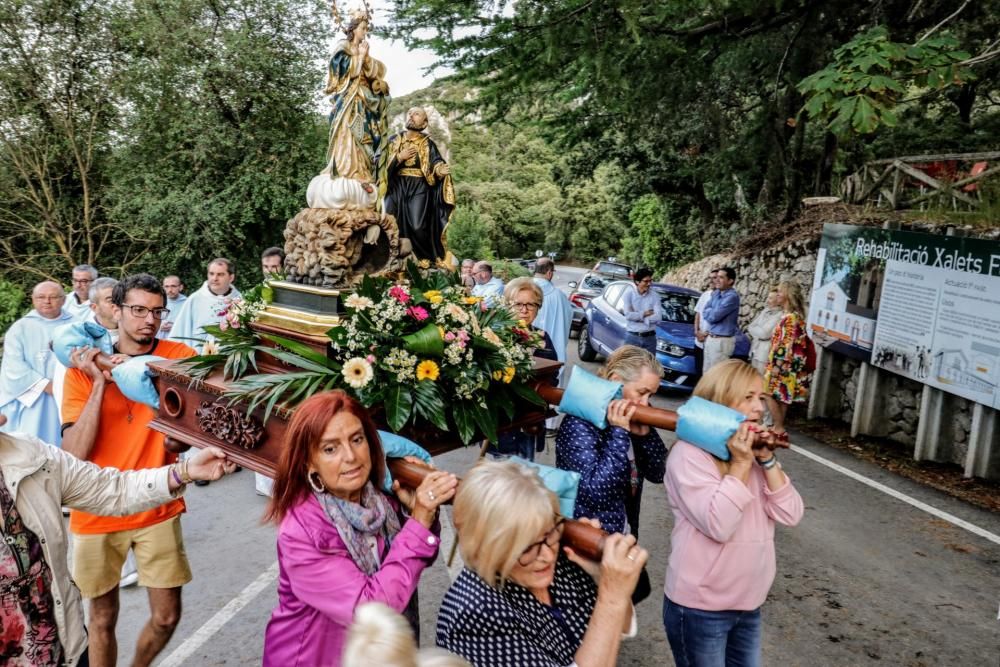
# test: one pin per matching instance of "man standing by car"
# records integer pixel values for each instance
(721, 315)
(700, 325)
(642, 310)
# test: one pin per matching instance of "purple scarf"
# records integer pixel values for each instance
(374, 516)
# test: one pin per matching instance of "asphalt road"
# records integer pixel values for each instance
(864, 579)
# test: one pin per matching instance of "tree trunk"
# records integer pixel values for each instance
(824, 175)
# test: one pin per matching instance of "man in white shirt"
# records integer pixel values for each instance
(700, 326)
(643, 311)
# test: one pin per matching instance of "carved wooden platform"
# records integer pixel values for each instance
(198, 414)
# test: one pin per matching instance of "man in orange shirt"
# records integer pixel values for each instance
(102, 426)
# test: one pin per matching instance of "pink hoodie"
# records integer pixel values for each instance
(722, 546)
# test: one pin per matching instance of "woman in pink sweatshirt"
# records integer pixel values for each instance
(722, 547)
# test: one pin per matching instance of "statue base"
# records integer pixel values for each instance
(302, 309)
(336, 248)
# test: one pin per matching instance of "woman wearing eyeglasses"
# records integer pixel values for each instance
(521, 601)
(523, 298)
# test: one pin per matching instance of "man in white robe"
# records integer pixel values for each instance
(78, 301)
(174, 288)
(204, 306)
(28, 367)
(555, 318)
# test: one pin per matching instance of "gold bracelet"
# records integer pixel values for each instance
(185, 475)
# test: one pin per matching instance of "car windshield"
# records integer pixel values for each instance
(591, 281)
(616, 269)
(677, 307)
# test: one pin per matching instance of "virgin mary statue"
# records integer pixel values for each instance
(358, 122)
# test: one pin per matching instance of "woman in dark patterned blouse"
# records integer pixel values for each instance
(613, 461)
(519, 602)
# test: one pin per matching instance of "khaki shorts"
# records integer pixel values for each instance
(159, 556)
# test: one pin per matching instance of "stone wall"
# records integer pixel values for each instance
(796, 260)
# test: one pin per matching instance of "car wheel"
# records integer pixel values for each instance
(583, 348)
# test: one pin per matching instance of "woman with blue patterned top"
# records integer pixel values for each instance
(614, 461)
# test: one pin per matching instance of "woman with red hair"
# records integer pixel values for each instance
(341, 540)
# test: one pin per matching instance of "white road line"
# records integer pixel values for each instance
(223, 616)
(941, 514)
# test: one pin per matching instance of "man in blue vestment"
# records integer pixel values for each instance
(28, 366)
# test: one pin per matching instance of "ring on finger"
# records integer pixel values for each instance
(430, 494)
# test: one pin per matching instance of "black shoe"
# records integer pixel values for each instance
(201, 482)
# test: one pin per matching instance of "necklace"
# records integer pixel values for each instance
(129, 404)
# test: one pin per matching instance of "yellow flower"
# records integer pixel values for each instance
(497, 375)
(522, 323)
(428, 370)
(471, 300)
(441, 331)
(434, 296)
(508, 374)
(424, 264)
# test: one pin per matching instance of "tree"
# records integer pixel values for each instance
(659, 236)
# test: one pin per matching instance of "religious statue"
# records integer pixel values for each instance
(415, 181)
(359, 97)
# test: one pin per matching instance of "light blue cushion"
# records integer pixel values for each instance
(587, 397)
(79, 334)
(395, 446)
(135, 380)
(708, 425)
(563, 483)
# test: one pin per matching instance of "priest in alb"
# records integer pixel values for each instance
(28, 366)
(206, 305)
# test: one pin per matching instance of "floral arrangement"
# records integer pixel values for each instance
(420, 349)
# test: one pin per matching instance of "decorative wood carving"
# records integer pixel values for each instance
(230, 425)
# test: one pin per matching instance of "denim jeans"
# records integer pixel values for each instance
(645, 342)
(701, 638)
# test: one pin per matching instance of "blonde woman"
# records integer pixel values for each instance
(382, 636)
(523, 297)
(613, 461)
(785, 375)
(761, 330)
(722, 560)
(519, 602)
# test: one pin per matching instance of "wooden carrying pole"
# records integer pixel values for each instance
(644, 414)
(582, 538)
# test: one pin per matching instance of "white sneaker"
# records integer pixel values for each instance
(130, 579)
(130, 573)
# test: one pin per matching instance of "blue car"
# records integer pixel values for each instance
(603, 331)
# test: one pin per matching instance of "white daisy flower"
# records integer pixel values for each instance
(357, 372)
(358, 302)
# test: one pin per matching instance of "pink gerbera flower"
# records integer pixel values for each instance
(419, 313)
(399, 294)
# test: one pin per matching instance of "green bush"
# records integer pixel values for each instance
(507, 271)
(12, 304)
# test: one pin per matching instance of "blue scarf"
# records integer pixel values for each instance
(374, 516)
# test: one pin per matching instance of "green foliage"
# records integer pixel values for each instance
(507, 271)
(860, 89)
(659, 236)
(467, 237)
(12, 304)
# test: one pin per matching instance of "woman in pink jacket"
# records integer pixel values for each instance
(722, 559)
(341, 540)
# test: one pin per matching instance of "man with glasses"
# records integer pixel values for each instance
(204, 306)
(643, 311)
(78, 301)
(104, 427)
(28, 366)
(174, 288)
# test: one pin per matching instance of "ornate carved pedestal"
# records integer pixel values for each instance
(199, 414)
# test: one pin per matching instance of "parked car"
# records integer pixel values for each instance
(615, 270)
(602, 331)
(589, 286)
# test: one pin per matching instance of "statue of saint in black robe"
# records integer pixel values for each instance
(418, 190)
